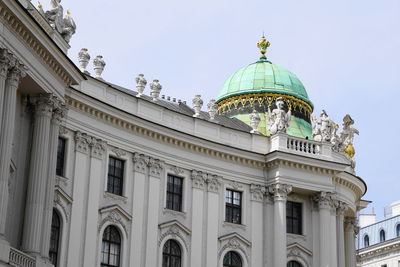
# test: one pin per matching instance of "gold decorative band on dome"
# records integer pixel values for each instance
(254, 99)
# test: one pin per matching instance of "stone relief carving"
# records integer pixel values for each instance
(279, 119)
(114, 216)
(197, 104)
(156, 167)
(199, 179)
(235, 185)
(140, 162)
(234, 243)
(298, 253)
(257, 192)
(118, 152)
(82, 141)
(213, 183)
(176, 170)
(175, 231)
(98, 148)
(140, 84)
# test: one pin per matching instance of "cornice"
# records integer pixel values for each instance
(29, 39)
(379, 250)
(159, 137)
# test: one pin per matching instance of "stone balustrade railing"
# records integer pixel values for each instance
(20, 259)
(284, 142)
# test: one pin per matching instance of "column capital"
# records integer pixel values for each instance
(279, 191)
(350, 225)
(325, 200)
(59, 110)
(15, 74)
(155, 167)
(82, 142)
(7, 61)
(44, 104)
(257, 192)
(341, 208)
(199, 179)
(213, 183)
(140, 162)
(98, 148)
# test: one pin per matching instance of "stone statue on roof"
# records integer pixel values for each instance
(279, 119)
(65, 26)
(347, 136)
(323, 128)
(69, 27)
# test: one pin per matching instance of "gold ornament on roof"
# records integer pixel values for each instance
(263, 44)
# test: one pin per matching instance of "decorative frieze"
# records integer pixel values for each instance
(257, 192)
(279, 191)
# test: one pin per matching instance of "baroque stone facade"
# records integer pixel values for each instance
(71, 161)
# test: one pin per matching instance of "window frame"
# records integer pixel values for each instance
(64, 154)
(173, 194)
(169, 255)
(233, 207)
(59, 233)
(291, 218)
(230, 252)
(397, 230)
(380, 235)
(110, 242)
(113, 177)
(366, 238)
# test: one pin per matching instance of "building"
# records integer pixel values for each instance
(378, 243)
(92, 174)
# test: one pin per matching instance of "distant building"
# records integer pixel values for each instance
(378, 243)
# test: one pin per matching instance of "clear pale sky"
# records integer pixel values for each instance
(346, 53)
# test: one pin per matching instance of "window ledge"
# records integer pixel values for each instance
(234, 225)
(296, 236)
(174, 213)
(115, 197)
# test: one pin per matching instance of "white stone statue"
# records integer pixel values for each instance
(68, 27)
(212, 108)
(140, 84)
(323, 128)
(55, 15)
(279, 119)
(197, 105)
(98, 66)
(155, 89)
(347, 136)
(83, 58)
(254, 121)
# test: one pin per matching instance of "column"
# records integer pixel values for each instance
(6, 63)
(213, 186)
(6, 137)
(80, 178)
(39, 164)
(198, 186)
(324, 201)
(97, 153)
(350, 243)
(342, 207)
(138, 238)
(257, 197)
(333, 239)
(58, 114)
(155, 171)
(280, 192)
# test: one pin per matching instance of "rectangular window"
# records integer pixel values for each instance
(174, 193)
(294, 217)
(233, 206)
(115, 176)
(60, 156)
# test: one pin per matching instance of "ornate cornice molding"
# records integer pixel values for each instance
(379, 250)
(20, 30)
(117, 122)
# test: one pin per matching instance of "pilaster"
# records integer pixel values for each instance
(350, 229)
(342, 207)
(213, 189)
(7, 113)
(257, 193)
(38, 173)
(59, 112)
(280, 192)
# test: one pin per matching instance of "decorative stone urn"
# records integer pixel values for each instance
(212, 109)
(197, 104)
(140, 84)
(155, 89)
(98, 66)
(83, 58)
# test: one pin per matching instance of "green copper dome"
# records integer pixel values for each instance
(263, 77)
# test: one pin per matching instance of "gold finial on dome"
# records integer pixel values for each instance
(263, 44)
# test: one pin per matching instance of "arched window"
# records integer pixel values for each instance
(366, 241)
(232, 259)
(398, 230)
(382, 236)
(111, 247)
(54, 238)
(293, 264)
(172, 256)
